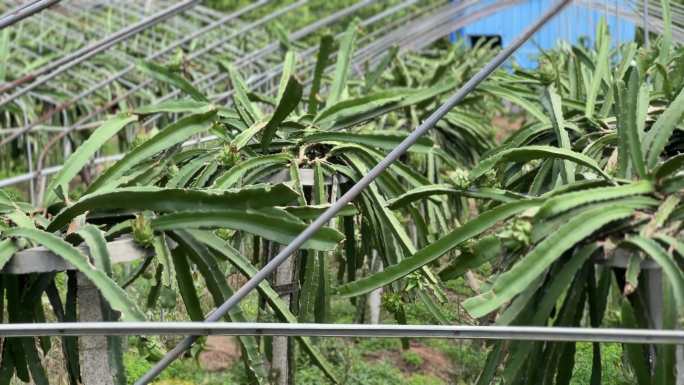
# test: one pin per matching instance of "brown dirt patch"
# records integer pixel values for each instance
(220, 353)
(505, 126)
(236, 280)
(433, 362)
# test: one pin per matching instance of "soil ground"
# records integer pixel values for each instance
(220, 353)
(433, 362)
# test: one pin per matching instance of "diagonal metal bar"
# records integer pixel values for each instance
(22, 12)
(355, 190)
(59, 66)
(505, 333)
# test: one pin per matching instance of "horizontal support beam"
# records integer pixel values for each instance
(105, 159)
(42, 260)
(506, 333)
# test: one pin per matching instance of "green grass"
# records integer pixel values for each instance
(370, 361)
(421, 379)
(356, 369)
(182, 372)
(412, 358)
(361, 372)
(613, 371)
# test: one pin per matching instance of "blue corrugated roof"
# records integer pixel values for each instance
(575, 21)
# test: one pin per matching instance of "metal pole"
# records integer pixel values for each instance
(355, 190)
(25, 11)
(507, 333)
(647, 41)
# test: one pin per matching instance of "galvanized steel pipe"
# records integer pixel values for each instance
(506, 333)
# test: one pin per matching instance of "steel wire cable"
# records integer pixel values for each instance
(355, 190)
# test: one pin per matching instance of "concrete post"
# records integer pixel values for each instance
(654, 298)
(375, 296)
(284, 277)
(93, 350)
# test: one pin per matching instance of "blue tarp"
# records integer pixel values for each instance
(574, 22)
